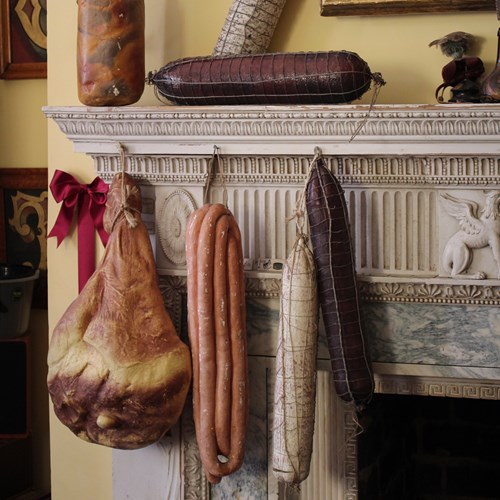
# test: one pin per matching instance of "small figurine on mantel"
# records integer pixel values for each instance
(461, 73)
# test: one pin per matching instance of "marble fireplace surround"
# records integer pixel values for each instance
(411, 175)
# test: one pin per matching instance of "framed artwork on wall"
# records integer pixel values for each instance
(23, 39)
(23, 223)
(388, 7)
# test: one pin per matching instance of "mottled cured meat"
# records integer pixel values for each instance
(118, 373)
(110, 52)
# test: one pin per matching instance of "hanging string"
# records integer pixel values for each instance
(299, 212)
(351, 434)
(209, 179)
(379, 83)
(215, 169)
(127, 210)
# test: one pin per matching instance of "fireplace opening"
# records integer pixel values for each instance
(429, 448)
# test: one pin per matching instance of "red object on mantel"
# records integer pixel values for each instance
(90, 202)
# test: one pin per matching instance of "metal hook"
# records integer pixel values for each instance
(221, 175)
(211, 175)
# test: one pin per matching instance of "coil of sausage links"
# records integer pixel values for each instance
(217, 334)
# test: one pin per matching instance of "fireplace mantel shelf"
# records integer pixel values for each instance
(382, 129)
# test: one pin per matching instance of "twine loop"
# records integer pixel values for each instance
(126, 209)
(214, 170)
(379, 83)
(299, 212)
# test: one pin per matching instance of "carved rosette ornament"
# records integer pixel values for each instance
(171, 225)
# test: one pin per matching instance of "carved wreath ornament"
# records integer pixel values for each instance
(475, 232)
(174, 214)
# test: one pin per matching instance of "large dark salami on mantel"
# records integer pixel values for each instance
(272, 78)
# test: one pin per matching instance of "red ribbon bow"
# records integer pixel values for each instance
(90, 201)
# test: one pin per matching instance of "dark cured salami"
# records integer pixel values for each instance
(338, 294)
(274, 78)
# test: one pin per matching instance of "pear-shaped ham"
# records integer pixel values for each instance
(118, 372)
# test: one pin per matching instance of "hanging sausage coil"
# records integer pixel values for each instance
(217, 335)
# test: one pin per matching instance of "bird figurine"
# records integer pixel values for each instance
(462, 72)
(455, 44)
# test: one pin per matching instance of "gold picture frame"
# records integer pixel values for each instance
(388, 7)
(23, 39)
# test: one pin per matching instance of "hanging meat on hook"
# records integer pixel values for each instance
(295, 386)
(118, 373)
(217, 334)
(337, 287)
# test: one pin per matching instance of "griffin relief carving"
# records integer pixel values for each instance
(476, 231)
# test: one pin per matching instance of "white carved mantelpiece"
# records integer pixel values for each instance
(393, 171)
(422, 185)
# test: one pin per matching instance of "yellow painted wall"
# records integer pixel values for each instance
(23, 136)
(396, 46)
(23, 144)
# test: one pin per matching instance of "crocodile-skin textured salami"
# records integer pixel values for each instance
(249, 27)
(338, 294)
(274, 78)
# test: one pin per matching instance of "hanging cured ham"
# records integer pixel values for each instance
(118, 372)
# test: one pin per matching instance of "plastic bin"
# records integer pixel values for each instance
(16, 292)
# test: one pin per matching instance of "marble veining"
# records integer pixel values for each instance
(250, 481)
(433, 334)
(262, 328)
